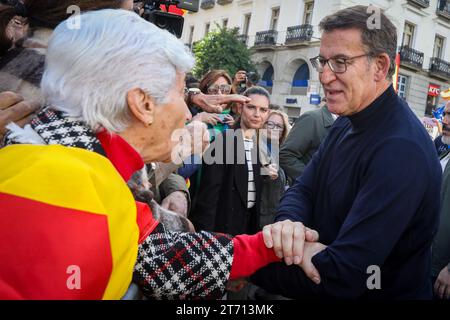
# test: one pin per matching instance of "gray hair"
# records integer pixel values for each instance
(376, 40)
(90, 70)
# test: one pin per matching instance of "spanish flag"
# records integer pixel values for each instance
(67, 225)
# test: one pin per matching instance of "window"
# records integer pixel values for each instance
(307, 16)
(274, 18)
(225, 23)
(402, 86)
(438, 47)
(207, 25)
(191, 35)
(247, 19)
(408, 34)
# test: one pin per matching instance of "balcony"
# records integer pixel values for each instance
(411, 58)
(243, 38)
(440, 67)
(266, 38)
(420, 3)
(443, 9)
(299, 33)
(224, 2)
(207, 4)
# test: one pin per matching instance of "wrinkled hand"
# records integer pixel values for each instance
(309, 251)
(176, 202)
(14, 109)
(442, 284)
(215, 103)
(287, 239)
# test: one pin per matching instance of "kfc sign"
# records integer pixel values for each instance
(434, 90)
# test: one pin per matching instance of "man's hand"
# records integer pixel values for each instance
(177, 202)
(442, 284)
(14, 109)
(215, 103)
(287, 239)
(309, 251)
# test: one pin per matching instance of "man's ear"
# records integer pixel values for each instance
(382, 65)
(141, 106)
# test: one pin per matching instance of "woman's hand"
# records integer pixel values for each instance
(272, 171)
(208, 118)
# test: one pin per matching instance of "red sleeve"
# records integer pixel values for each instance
(250, 254)
(145, 220)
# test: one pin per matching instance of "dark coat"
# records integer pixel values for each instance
(221, 200)
(303, 141)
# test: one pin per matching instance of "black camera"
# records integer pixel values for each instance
(166, 20)
(252, 77)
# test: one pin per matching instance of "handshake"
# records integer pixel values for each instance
(296, 244)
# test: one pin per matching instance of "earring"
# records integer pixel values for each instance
(150, 123)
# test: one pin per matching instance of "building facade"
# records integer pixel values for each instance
(283, 35)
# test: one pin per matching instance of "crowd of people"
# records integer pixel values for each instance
(256, 210)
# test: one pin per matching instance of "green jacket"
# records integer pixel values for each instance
(441, 244)
(304, 139)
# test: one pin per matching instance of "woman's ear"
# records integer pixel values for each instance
(141, 106)
(382, 65)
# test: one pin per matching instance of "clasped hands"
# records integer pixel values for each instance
(296, 244)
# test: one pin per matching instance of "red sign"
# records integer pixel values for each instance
(434, 90)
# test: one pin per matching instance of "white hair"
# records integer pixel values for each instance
(90, 70)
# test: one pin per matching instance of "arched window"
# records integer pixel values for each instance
(301, 76)
(267, 78)
(300, 81)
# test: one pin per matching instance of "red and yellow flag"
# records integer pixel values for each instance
(67, 225)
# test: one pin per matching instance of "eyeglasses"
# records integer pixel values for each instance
(274, 126)
(337, 65)
(224, 89)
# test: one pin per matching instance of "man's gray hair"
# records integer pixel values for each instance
(376, 40)
(90, 70)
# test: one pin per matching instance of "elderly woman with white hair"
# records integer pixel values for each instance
(71, 229)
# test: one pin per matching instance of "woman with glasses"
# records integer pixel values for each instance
(217, 82)
(273, 183)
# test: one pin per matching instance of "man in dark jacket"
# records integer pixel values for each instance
(303, 141)
(371, 190)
